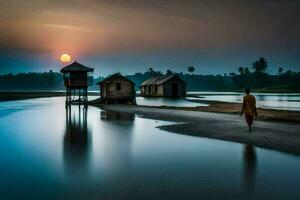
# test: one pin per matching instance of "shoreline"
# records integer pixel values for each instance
(213, 106)
(14, 96)
(264, 114)
(270, 135)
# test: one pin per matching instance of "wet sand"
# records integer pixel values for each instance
(231, 127)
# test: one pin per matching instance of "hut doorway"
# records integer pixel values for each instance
(174, 89)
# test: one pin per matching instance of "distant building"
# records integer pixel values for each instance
(77, 78)
(117, 89)
(164, 86)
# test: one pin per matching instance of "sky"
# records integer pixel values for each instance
(131, 36)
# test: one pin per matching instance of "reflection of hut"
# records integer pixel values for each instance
(116, 116)
(77, 78)
(117, 145)
(164, 86)
(117, 89)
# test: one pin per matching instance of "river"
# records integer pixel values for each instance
(279, 101)
(48, 152)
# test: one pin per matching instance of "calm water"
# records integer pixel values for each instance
(283, 101)
(48, 153)
(158, 101)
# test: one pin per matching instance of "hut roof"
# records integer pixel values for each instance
(115, 76)
(76, 67)
(158, 80)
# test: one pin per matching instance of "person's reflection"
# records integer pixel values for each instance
(249, 168)
(76, 140)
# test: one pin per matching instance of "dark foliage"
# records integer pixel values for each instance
(258, 79)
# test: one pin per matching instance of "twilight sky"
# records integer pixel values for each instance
(133, 35)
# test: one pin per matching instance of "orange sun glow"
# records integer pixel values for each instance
(65, 58)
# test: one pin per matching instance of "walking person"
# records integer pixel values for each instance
(249, 108)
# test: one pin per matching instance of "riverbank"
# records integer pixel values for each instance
(272, 135)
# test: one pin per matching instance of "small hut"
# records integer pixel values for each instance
(77, 78)
(117, 89)
(164, 86)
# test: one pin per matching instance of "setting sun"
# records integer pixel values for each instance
(65, 58)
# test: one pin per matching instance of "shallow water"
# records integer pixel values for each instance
(282, 101)
(159, 101)
(49, 153)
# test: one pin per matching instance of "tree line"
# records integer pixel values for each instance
(254, 77)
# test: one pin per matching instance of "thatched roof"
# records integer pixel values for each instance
(116, 75)
(158, 80)
(76, 67)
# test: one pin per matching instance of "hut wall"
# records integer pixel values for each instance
(168, 89)
(174, 87)
(152, 90)
(111, 91)
(160, 90)
(146, 90)
(76, 79)
(143, 92)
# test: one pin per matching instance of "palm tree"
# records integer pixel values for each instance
(247, 71)
(260, 66)
(150, 70)
(241, 70)
(191, 69)
(280, 70)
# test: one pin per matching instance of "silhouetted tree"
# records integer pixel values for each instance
(246, 71)
(191, 69)
(280, 70)
(287, 81)
(169, 72)
(241, 70)
(260, 66)
(232, 74)
(150, 70)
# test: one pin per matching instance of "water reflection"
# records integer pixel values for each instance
(249, 168)
(282, 101)
(86, 156)
(117, 143)
(159, 101)
(116, 116)
(76, 140)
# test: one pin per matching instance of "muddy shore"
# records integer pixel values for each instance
(271, 135)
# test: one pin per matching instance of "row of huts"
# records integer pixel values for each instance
(117, 88)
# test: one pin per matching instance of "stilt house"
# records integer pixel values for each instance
(77, 78)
